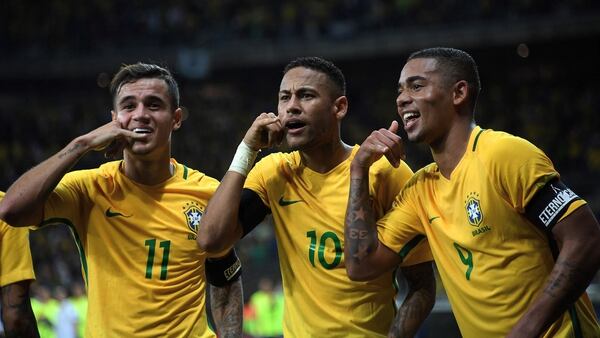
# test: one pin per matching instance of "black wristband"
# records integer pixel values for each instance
(223, 270)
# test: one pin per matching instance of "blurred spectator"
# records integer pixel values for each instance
(267, 307)
(46, 310)
(67, 320)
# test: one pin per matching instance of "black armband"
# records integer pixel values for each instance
(252, 211)
(223, 270)
(550, 203)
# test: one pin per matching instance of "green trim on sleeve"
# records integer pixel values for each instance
(77, 241)
(409, 246)
(477, 139)
(185, 172)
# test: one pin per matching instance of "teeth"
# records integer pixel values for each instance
(410, 115)
(141, 130)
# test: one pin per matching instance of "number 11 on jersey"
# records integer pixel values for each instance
(166, 246)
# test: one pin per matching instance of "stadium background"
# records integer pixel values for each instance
(538, 62)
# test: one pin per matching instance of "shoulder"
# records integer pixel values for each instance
(383, 170)
(494, 146)
(193, 176)
(276, 164)
(419, 179)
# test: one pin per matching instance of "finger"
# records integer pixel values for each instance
(394, 127)
(391, 148)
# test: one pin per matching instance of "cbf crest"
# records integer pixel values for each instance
(473, 208)
(193, 214)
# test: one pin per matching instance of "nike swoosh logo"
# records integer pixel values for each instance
(433, 218)
(284, 203)
(110, 213)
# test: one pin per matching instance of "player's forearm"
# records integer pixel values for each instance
(418, 302)
(17, 314)
(227, 308)
(219, 224)
(572, 273)
(360, 234)
(23, 204)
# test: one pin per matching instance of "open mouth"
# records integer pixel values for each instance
(294, 125)
(142, 130)
(410, 118)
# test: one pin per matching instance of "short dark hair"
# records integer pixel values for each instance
(456, 65)
(322, 66)
(134, 72)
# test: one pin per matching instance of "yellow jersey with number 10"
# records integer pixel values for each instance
(308, 214)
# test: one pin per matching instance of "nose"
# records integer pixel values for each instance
(293, 105)
(402, 100)
(140, 113)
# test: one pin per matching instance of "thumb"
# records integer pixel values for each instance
(394, 127)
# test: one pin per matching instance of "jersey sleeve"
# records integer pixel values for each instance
(15, 257)
(68, 202)
(401, 231)
(258, 177)
(520, 170)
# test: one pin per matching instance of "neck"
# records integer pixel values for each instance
(147, 172)
(449, 149)
(323, 158)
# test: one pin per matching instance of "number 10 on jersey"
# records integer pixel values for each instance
(337, 244)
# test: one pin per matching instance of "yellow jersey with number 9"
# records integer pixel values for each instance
(143, 269)
(308, 214)
(492, 260)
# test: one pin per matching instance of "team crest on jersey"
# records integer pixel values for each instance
(473, 208)
(193, 214)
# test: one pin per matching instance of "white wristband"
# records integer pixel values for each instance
(243, 160)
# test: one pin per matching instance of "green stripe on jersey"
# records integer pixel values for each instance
(185, 172)
(576, 324)
(77, 241)
(477, 139)
(409, 246)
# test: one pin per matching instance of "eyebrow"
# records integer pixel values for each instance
(145, 98)
(411, 79)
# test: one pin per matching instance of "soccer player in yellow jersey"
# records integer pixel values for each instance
(515, 247)
(306, 192)
(16, 273)
(135, 220)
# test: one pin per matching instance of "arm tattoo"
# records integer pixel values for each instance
(227, 307)
(69, 151)
(17, 315)
(564, 275)
(418, 303)
(361, 234)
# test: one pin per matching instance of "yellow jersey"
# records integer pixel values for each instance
(15, 257)
(492, 260)
(143, 269)
(308, 214)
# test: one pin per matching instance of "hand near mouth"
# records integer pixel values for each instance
(382, 142)
(266, 131)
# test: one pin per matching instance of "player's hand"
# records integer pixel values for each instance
(382, 142)
(266, 131)
(111, 138)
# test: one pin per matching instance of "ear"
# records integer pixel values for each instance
(461, 92)
(177, 118)
(340, 107)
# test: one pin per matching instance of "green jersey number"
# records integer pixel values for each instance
(166, 246)
(337, 244)
(466, 260)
